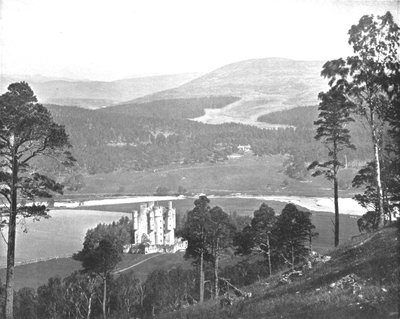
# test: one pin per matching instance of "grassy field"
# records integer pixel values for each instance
(248, 174)
(36, 274)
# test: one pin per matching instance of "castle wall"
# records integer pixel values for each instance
(156, 223)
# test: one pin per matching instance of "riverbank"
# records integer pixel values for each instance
(63, 233)
(348, 206)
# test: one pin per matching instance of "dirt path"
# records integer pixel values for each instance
(134, 265)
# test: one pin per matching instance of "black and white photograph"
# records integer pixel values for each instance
(214, 159)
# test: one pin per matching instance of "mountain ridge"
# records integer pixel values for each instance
(96, 94)
(262, 85)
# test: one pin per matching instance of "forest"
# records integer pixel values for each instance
(132, 139)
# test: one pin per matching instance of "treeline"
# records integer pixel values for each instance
(97, 291)
(159, 133)
(172, 108)
(104, 142)
(303, 119)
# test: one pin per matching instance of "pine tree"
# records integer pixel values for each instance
(334, 116)
(27, 132)
(366, 79)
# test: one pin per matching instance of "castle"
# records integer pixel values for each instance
(154, 229)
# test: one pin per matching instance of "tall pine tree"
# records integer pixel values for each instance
(332, 131)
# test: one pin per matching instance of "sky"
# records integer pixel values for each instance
(115, 39)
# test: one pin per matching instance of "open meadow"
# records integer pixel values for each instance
(247, 174)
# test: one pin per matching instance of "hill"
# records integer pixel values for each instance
(96, 94)
(359, 281)
(263, 85)
(283, 78)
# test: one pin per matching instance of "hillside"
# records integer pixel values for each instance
(171, 108)
(359, 281)
(267, 77)
(96, 94)
(264, 85)
(109, 141)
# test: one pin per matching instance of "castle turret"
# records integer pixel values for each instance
(135, 217)
(169, 232)
(151, 228)
(159, 226)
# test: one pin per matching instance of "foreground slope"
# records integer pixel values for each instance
(359, 281)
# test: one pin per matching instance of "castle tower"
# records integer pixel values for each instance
(142, 224)
(135, 225)
(159, 226)
(170, 224)
(151, 225)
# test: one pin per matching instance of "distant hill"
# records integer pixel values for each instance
(263, 86)
(256, 77)
(96, 94)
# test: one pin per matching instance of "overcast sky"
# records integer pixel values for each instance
(107, 40)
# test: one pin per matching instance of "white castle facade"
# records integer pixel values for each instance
(154, 228)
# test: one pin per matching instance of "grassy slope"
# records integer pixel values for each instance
(249, 174)
(373, 258)
(36, 274)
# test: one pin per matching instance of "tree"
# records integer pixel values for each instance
(393, 146)
(27, 132)
(367, 78)
(244, 241)
(294, 166)
(293, 229)
(263, 223)
(220, 232)
(101, 261)
(26, 303)
(334, 115)
(79, 294)
(194, 231)
(127, 291)
(51, 300)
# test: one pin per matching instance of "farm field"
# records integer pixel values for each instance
(248, 174)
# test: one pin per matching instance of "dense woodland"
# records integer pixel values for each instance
(119, 138)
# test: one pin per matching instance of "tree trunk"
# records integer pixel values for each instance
(379, 191)
(11, 243)
(292, 257)
(379, 184)
(216, 265)
(201, 277)
(336, 201)
(89, 311)
(269, 256)
(105, 297)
